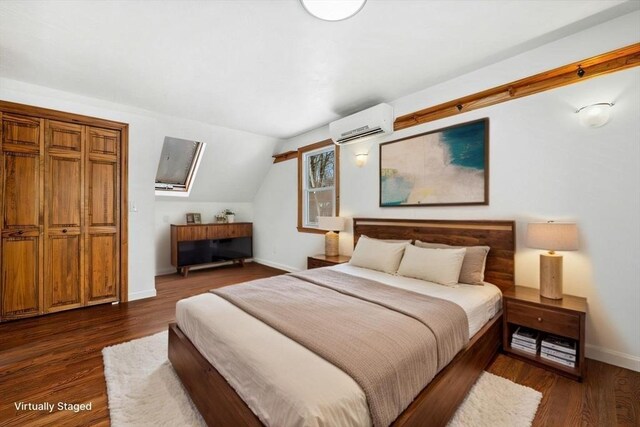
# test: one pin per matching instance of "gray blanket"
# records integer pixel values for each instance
(392, 342)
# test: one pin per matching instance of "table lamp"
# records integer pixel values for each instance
(332, 224)
(552, 236)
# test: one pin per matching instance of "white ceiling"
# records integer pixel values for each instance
(266, 66)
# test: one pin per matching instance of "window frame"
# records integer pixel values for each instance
(302, 153)
(177, 190)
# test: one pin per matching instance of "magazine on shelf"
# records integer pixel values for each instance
(523, 348)
(527, 344)
(560, 354)
(526, 334)
(561, 344)
(557, 360)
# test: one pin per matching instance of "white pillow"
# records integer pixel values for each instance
(434, 265)
(378, 255)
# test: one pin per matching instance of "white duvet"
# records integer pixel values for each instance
(282, 382)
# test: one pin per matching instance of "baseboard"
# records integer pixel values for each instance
(275, 265)
(149, 293)
(613, 357)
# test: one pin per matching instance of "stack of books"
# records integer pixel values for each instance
(527, 340)
(559, 350)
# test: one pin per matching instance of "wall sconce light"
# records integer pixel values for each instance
(595, 115)
(361, 159)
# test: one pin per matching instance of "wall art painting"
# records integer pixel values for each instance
(447, 166)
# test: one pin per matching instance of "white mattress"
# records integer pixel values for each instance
(282, 382)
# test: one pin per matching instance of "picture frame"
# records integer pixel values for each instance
(194, 218)
(442, 167)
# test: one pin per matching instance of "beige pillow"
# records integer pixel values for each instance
(378, 255)
(434, 265)
(472, 272)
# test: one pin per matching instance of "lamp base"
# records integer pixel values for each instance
(551, 276)
(331, 241)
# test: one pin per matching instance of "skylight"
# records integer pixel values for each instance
(178, 166)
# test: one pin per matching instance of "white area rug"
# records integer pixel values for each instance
(145, 391)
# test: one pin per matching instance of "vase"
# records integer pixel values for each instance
(231, 218)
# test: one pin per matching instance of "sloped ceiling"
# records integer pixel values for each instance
(268, 67)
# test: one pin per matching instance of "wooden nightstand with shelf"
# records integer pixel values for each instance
(564, 317)
(317, 261)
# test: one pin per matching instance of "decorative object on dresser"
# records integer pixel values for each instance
(64, 229)
(331, 239)
(552, 236)
(447, 166)
(552, 332)
(229, 215)
(321, 260)
(194, 218)
(198, 244)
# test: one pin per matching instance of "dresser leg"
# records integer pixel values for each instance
(185, 271)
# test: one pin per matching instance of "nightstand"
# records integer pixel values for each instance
(564, 317)
(318, 261)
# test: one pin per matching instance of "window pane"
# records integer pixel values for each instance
(320, 169)
(176, 160)
(319, 203)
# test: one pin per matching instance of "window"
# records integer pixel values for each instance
(318, 184)
(178, 166)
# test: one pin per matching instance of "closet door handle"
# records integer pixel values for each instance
(20, 232)
(64, 230)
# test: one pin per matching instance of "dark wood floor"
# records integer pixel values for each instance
(58, 358)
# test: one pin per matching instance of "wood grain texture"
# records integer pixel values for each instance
(498, 235)
(610, 62)
(58, 154)
(214, 231)
(22, 210)
(565, 317)
(282, 157)
(322, 260)
(58, 358)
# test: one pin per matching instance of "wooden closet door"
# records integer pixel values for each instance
(21, 207)
(64, 248)
(102, 186)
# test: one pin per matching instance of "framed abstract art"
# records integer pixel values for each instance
(448, 166)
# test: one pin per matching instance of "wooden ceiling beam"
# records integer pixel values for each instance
(606, 63)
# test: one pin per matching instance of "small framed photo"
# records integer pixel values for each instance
(197, 218)
(190, 218)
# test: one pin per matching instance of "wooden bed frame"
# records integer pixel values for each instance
(220, 405)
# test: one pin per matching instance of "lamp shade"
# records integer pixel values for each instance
(331, 223)
(553, 236)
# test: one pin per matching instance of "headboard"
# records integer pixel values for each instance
(498, 235)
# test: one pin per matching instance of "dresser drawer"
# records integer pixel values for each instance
(555, 322)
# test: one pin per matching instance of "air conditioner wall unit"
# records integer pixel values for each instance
(366, 124)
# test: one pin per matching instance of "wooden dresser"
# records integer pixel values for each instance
(199, 244)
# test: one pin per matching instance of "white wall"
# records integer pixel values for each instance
(543, 165)
(230, 173)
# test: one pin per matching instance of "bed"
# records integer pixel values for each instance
(315, 391)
